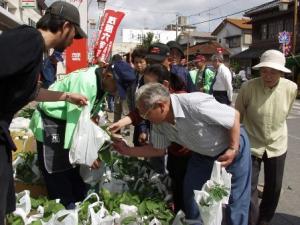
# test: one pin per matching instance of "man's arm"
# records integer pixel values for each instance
(52, 96)
(147, 151)
(234, 141)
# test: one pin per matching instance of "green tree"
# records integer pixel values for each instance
(147, 40)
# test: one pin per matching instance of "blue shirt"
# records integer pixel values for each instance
(183, 73)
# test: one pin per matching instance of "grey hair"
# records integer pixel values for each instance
(149, 94)
(218, 57)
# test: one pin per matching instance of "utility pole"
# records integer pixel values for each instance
(295, 27)
(176, 25)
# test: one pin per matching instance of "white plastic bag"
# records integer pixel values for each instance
(101, 217)
(155, 222)
(210, 209)
(64, 217)
(87, 140)
(115, 185)
(92, 176)
(23, 205)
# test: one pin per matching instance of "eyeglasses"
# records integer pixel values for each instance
(145, 115)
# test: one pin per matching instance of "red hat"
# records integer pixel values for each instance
(200, 58)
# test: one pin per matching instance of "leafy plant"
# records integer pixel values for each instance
(26, 112)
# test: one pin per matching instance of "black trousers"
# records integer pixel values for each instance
(7, 188)
(67, 186)
(177, 166)
(273, 169)
(221, 96)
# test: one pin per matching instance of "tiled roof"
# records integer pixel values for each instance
(240, 23)
(243, 24)
(208, 48)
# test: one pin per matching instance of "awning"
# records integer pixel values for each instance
(7, 20)
(250, 53)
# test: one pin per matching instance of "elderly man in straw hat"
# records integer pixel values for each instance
(264, 104)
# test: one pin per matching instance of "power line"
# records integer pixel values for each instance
(221, 17)
(204, 11)
(210, 9)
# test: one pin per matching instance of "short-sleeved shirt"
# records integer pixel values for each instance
(21, 58)
(83, 81)
(223, 81)
(201, 124)
(264, 112)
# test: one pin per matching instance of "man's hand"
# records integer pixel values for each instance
(143, 138)
(96, 164)
(227, 158)
(76, 99)
(115, 127)
(121, 147)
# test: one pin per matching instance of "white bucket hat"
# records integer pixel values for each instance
(273, 59)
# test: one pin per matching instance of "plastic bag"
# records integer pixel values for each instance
(87, 140)
(210, 205)
(155, 222)
(64, 217)
(23, 205)
(115, 185)
(101, 217)
(92, 176)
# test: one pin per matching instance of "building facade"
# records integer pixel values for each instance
(137, 35)
(13, 14)
(234, 34)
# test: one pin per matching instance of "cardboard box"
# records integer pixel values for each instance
(36, 190)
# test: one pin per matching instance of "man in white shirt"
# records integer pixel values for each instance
(222, 85)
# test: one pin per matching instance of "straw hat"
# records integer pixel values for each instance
(273, 59)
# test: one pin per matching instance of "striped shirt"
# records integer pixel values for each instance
(201, 124)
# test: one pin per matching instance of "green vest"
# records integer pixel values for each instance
(82, 81)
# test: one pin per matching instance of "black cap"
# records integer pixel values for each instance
(158, 52)
(174, 44)
(68, 12)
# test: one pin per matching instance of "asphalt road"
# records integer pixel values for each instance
(288, 210)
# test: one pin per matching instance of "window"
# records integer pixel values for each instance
(288, 25)
(264, 29)
(280, 26)
(234, 42)
(247, 39)
(3, 4)
(31, 23)
(272, 31)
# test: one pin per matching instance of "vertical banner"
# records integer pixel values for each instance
(76, 54)
(107, 33)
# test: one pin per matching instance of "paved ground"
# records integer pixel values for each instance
(288, 211)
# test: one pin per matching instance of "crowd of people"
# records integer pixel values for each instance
(183, 120)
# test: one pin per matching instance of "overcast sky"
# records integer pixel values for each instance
(156, 14)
